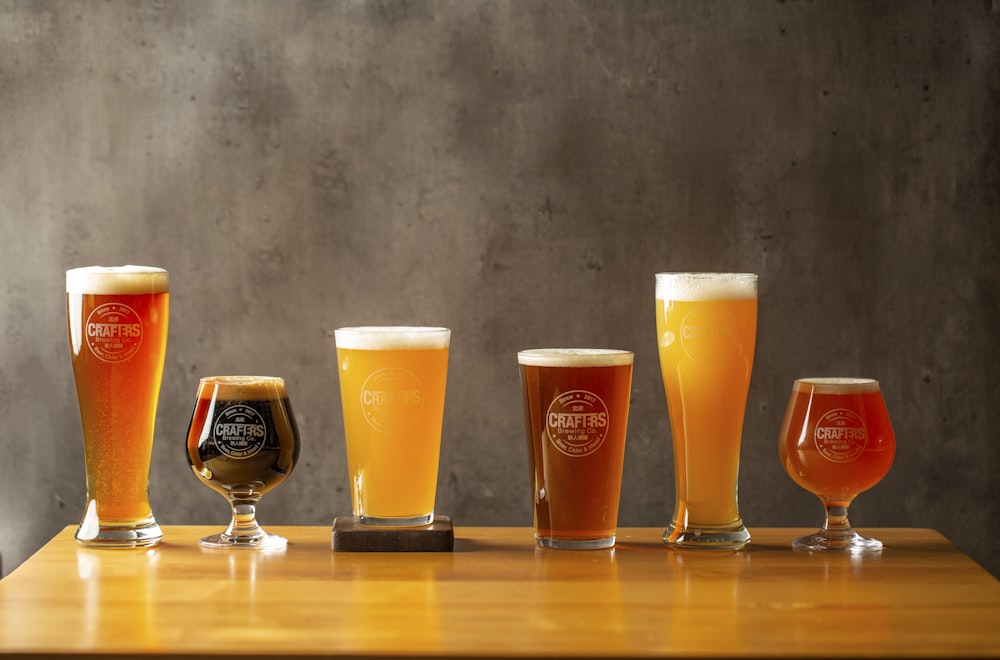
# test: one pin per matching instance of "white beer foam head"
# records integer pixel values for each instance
(836, 385)
(246, 388)
(706, 286)
(575, 357)
(392, 338)
(106, 280)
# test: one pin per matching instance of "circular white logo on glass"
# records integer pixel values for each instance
(708, 334)
(390, 399)
(114, 332)
(840, 435)
(577, 423)
(239, 431)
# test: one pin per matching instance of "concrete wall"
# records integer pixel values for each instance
(517, 171)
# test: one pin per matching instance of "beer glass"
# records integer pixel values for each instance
(242, 441)
(706, 327)
(836, 441)
(392, 387)
(117, 321)
(575, 415)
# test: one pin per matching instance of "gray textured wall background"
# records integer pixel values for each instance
(517, 171)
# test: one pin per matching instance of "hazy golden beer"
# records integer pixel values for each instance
(392, 388)
(117, 320)
(575, 415)
(706, 327)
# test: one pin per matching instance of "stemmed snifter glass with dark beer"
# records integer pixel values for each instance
(242, 442)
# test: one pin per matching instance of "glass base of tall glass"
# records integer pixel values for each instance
(563, 544)
(414, 521)
(94, 533)
(729, 537)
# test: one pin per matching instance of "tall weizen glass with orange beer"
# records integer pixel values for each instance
(117, 319)
(706, 328)
(392, 390)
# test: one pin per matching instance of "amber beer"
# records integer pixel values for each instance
(576, 405)
(706, 326)
(117, 320)
(836, 438)
(392, 390)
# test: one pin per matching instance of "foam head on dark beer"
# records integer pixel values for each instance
(574, 357)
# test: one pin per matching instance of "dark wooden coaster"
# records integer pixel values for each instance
(349, 536)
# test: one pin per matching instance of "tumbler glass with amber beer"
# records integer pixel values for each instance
(836, 441)
(706, 328)
(117, 318)
(392, 392)
(576, 404)
(242, 442)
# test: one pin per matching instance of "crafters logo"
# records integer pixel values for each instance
(840, 435)
(390, 398)
(239, 431)
(708, 334)
(114, 332)
(577, 423)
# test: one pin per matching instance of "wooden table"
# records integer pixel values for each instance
(498, 596)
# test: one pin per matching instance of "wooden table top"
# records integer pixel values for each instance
(497, 595)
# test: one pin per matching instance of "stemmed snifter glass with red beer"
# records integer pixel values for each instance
(836, 441)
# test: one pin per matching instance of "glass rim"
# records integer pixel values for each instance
(390, 329)
(836, 384)
(241, 379)
(705, 275)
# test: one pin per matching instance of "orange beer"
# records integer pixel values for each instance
(836, 438)
(117, 321)
(706, 326)
(392, 389)
(576, 405)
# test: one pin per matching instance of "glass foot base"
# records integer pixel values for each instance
(139, 535)
(707, 538)
(375, 521)
(256, 542)
(824, 542)
(573, 544)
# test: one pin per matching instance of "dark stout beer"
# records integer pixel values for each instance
(242, 439)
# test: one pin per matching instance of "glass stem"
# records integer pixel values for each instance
(837, 525)
(244, 525)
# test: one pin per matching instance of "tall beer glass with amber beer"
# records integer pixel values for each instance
(575, 415)
(706, 328)
(117, 321)
(392, 387)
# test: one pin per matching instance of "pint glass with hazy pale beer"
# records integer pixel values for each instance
(575, 414)
(392, 386)
(706, 328)
(117, 321)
